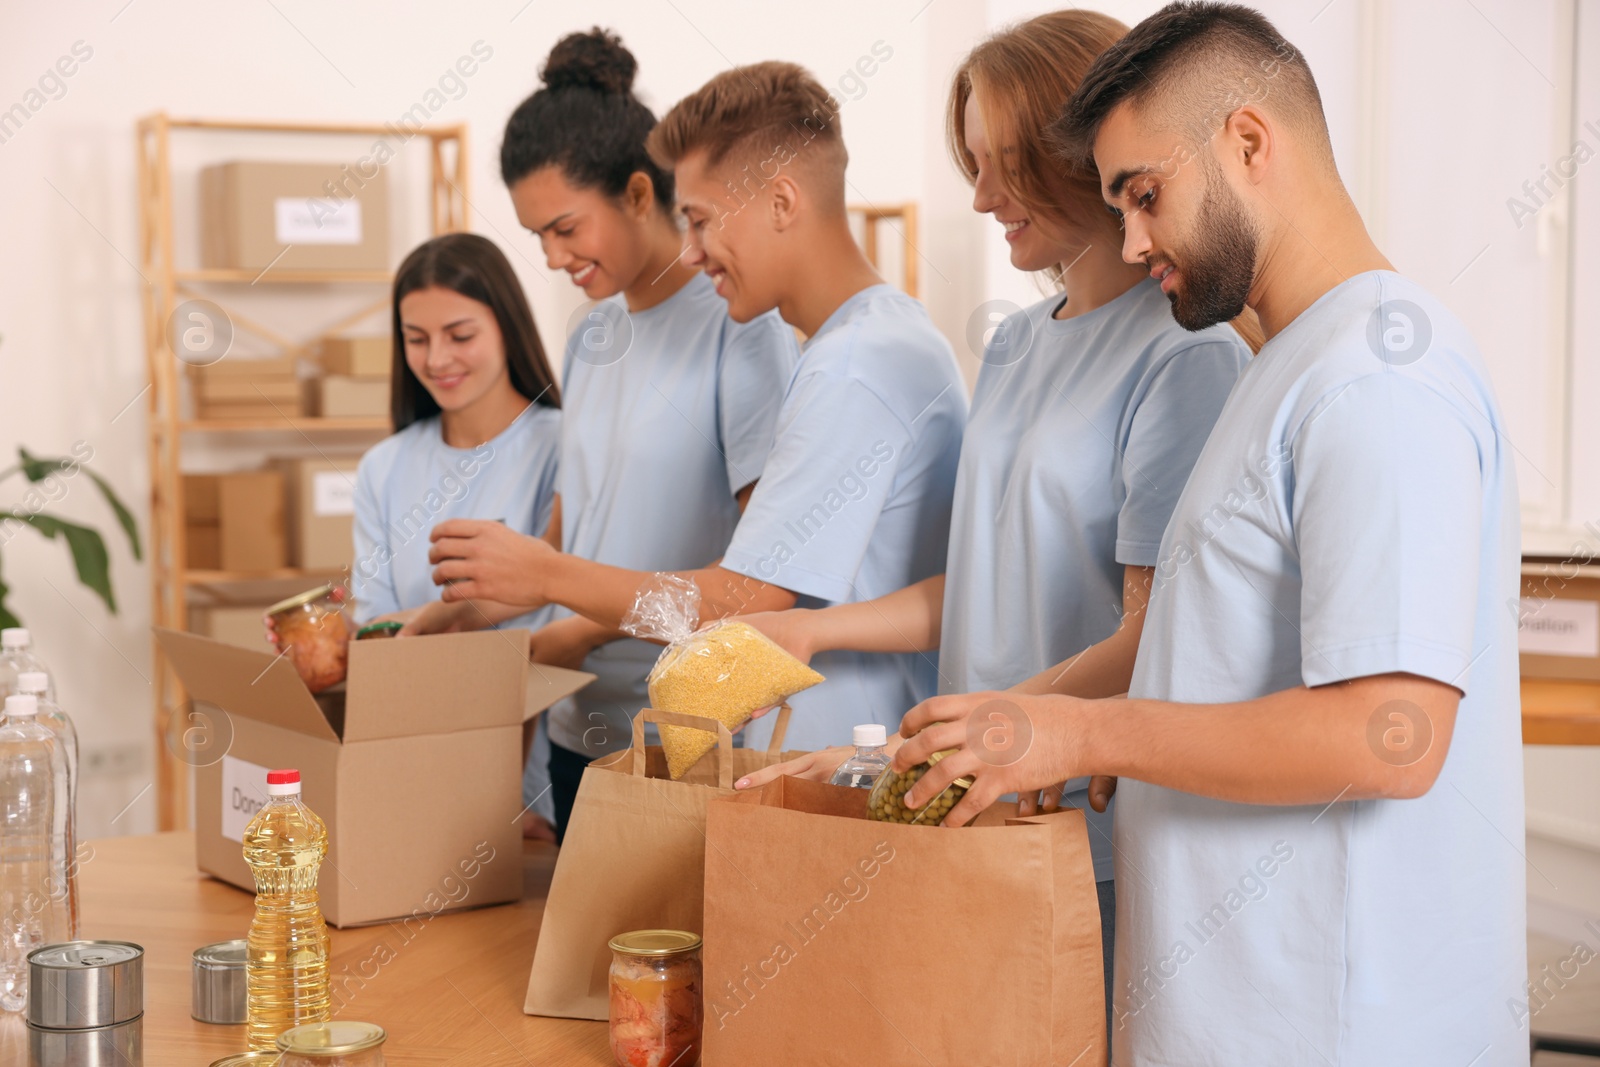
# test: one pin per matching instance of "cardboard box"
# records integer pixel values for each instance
(322, 508)
(242, 368)
(416, 767)
(235, 521)
(338, 395)
(1558, 630)
(257, 411)
(292, 216)
(232, 625)
(362, 357)
(248, 391)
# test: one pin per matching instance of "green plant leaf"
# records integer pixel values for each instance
(37, 469)
(6, 618)
(88, 551)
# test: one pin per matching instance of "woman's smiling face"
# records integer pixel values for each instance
(453, 346)
(584, 232)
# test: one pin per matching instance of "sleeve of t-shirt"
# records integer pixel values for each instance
(757, 361)
(1387, 514)
(1169, 427)
(829, 475)
(372, 572)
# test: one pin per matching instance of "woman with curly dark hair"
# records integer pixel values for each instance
(669, 404)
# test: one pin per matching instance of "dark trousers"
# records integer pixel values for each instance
(566, 771)
(1107, 891)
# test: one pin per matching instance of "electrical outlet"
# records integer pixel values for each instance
(112, 761)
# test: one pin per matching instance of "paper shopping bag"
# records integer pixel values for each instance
(633, 859)
(832, 939)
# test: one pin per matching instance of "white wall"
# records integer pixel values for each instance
(1439, 111)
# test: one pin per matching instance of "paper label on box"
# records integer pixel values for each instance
(332, 493)
(317, 221)
(244, 792)
(1557, 627)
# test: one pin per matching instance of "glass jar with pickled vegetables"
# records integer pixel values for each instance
(339, 1043)
(656, 1009)
(887, 801)
(313, 629)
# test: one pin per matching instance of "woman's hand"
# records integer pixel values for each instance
(441, 618)
(338, 596)
(813, 766)
(489, 561)
(790, 630)
(565, 642)
(1006, 742)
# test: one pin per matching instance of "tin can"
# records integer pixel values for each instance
(218, 994)
(101, 1046)
(249, 1059)
(82, 985)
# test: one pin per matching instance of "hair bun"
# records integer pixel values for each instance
(593, 60)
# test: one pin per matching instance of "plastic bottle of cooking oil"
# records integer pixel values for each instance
(286, 973)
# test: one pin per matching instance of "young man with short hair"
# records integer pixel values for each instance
(1322, 795)
(854, 500)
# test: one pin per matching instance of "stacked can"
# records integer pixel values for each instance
(86, 1003)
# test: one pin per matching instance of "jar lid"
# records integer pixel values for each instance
(249, 1059)
(386, 628)
(334, 1038)
(655, 942)
(964, 783)
(300, 600)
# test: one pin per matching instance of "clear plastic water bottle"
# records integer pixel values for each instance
(286, 971)
(17, 656)
(37, 685)
(34, 800)
(869, 760)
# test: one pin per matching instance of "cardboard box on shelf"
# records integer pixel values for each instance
(221, 391)
(322, 507)
(292, 216)
(342, 396)
(1559, 624)
(416, 766)
(263, 411)
(361, 357)
(232, 624)
(235, 521)
(246, 368)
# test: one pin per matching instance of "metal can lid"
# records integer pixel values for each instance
(964, 783)
(229, 955)
(386, 628)
(655, 942)
(331, 1038)
(77, 954)
(249, 1059)
(300, 600)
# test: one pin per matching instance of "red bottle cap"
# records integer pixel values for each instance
(283, 777)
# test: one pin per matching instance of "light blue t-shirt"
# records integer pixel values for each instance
(855, 501)
(1354, 513)
(411, 481)
(1083, 432)
(669, 414)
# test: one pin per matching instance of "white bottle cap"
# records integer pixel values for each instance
(22, 706)
(871, 735)
(36, 682)
(14, 637)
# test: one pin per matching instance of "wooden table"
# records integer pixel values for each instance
(1560, 713)
(450, 992)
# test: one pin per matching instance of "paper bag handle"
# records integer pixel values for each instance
(780, 730)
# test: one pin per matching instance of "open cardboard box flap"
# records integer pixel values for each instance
(396, 688)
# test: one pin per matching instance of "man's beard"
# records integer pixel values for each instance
(1220, 266)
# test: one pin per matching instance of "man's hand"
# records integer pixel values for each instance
(566, 642)
(489, 561)
(1006, 742)
(789, 630)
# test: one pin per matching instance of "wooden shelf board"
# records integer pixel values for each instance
(301, 424)
(279, 276)
(282, 574)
